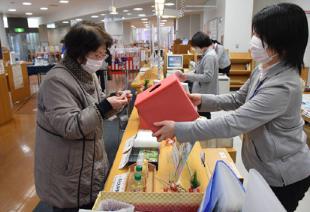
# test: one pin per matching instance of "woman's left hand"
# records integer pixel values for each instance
(126, 94)
(166, 131)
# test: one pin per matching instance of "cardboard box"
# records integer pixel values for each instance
(164, 101)
(214, 154)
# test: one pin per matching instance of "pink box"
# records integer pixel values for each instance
(164, 101)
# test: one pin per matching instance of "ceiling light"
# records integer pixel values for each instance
(123, 17)
(103, 20)
(168, 16)
(141, 15)
(129, 14)
(138, 9)
(163, 20)
(132, 26)
(43, 8)
(169, 4)
(102, 14)
(78, 19)
(65, 22)
(28, 13)
(12, 10)
(153, 6)
(145, 22)
(143, 19)
(94, 16)
(63, 2)
(125, 11)
(112, 10)
(27, 3)
(51, 26)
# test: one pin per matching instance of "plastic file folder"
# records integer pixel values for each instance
(166, 100)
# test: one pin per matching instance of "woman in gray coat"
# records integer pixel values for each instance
(204, 77)
(71, 164)
(266, 108)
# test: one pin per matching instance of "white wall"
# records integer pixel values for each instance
(211, 13)
(188, 25)
(3, 36)
(127, 36)
(238, 18)
(56, 35)
(114, 28)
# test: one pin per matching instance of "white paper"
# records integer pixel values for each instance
(144, 139)
(1, 67)
(128, 144)
(119, 183)
(222, 155)
(17, 76)
(124, 160)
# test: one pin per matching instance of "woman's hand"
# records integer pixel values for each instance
(117, 102)
(195, 98)
(126, 94)
(166, 131)
(182, 77)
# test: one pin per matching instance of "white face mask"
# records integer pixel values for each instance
(258, 51)
(92, 65)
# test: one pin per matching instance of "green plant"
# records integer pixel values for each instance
(194, 181)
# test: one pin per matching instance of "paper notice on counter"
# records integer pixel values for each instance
(125, 159)
(1, 67)
(17, 76)
(119, 183)
(128, 144)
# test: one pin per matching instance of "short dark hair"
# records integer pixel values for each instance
(284, 28)
(201, 40)
(85, 37)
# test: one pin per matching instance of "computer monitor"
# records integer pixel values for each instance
(175, 61)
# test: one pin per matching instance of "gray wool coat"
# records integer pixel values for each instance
(71, 164)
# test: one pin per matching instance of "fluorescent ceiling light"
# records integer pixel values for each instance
(33, 22)
(138, 9)
(168, 16)
(78, 19)
(143, 19)
(163, 20)
(28, 13)
(132, 26)
(43, 8)
(27, 3)
(145, 22)
(129, 14)
(94, 16)
(153, 6)
(102, 14)
(141, 15)
(123, 17)
(65, 22)
(125, 11)
(169, 4)
(51, 26)
(63, 2)
(103, 20)
(12, 10)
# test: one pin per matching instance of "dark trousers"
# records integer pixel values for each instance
(290, 195)
(225, 70)
(89, 206)
(205, 114)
